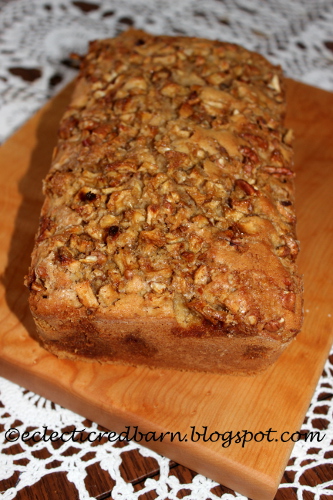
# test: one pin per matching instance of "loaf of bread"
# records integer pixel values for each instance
(167, 235)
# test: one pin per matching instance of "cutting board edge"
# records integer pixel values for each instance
(47, 106)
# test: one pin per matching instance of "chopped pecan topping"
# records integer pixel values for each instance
(171, 176)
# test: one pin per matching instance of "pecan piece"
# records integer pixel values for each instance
(255, 140)
(283, 251)
(207, 312)
(278, 171)
(64, 256)
(245, 186)
(249, 154)
(293, 246)
(274, 325)
(86, 294)
(289, 301)
(46, 228)
(67, 127)
(201, 276)
(155, 236)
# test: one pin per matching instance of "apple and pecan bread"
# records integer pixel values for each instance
(167, 235)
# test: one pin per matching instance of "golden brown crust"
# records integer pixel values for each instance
(167, 236)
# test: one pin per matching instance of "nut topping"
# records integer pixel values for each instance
(172, 181)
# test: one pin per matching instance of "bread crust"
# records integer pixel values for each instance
(167, 235)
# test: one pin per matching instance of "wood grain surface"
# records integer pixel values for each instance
(162, 400)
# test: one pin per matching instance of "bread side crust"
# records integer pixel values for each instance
(157, 342)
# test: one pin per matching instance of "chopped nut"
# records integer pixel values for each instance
(155, 236)
(37, 287)
(245, 186)
(275, 83)
(253, 320)
(195, 243)
(293, 245)
(201, 276)
(289, 301)
(213, 315)
(278, 170)
(171, 89)
(283, 251)
(108, 220)
(288, 137)
(135, 83)
(86, 294)
(182, 313)
(274, 325)
(158, 287)
(89, 259)
(107, 295)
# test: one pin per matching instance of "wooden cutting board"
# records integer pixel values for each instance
(162, 400)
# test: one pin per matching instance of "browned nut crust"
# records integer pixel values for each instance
(167, 236)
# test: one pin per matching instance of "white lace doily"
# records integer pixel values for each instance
(74, 458)
(36, 38)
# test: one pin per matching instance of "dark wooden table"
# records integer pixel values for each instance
(135, 468)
